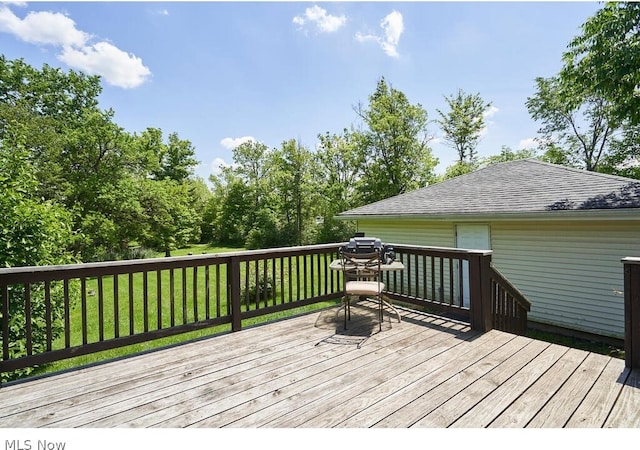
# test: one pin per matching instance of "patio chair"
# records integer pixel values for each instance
(361, 274)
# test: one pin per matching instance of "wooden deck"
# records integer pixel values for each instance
(306, 372)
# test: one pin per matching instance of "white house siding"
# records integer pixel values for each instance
(415, 232)
(569, 270)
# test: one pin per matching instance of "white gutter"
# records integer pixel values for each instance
(599, 214)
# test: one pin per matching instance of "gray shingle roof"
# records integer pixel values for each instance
(518, 187)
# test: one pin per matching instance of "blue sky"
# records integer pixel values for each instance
(218, 73)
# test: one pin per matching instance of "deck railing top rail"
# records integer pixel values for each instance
(9, 274)
(442, 251)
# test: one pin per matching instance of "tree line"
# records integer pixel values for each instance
(76, 186)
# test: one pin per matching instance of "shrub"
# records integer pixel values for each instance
(263, 286)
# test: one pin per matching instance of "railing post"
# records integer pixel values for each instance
(4, 297)
(632, 312)
(480, 292)
(233, 280)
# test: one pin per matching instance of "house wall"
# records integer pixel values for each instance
(569, 270)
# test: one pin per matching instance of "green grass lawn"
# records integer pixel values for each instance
(198, 249)
(184, 309)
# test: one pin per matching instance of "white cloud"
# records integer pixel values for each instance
(231, 143)
(42, 28)
(117, 67)
(217, 165)
(393, 27)
(490, 112)
(325, 23)
(528, 143)
(15, 3)
(486, 115)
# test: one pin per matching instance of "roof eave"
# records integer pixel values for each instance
(592, 214)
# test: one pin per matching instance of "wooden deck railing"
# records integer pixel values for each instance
(51, 313)
(509, 307)
(460, 282)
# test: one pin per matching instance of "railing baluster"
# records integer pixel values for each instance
(218, 310)
(184, 296)
(131, 306)
(290, 279)
(424, 276)
(274, 301)
(83, 299)
(451, 282)
(116, 307)
(326, 269)
(298, 284)
(441, 279)
(282, 300)
(145, 298)
(461, 282)
(159, 298)
(305, 277)
(414, 279)
(172, 296)
(207, 297)
(100, 310)
(196, 316)
(265, 286)
(47, 311)
(67, 315)
(228, 290)
(247, 270)
(5, 322)
(27, 318)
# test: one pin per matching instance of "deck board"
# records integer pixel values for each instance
(469, 398)
(426, 371)
(522, 410)
(421, 407)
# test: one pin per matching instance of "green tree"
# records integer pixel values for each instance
(338, 162)
(462, 125)
(168, 209)
(603, 61)
(252, 163)
(506, 154)
(227, 208)
(242, 210)
(86, 163)
(294, 187)
(33, 232)
(584, 131)
(177, 159)
(394, 148)
(458, 168)
(49, 92)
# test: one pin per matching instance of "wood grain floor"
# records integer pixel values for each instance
(307, 371)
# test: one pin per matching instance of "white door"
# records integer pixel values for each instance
(471, 237)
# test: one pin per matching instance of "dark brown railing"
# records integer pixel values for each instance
(86, 308)
(51, 313)
(631, 312)
(460, 282)
(509, 307)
